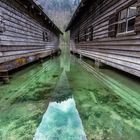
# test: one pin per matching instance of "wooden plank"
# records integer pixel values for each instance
(121, 51)
(23, 35)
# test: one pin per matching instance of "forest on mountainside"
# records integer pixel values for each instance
(60, 11)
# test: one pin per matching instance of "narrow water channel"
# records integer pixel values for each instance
(61, 120)
(67, 99)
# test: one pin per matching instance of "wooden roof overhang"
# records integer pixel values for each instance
(35, 6)
(79, 12)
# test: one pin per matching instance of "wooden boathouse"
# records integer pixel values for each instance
(108, 31)
(26, 34)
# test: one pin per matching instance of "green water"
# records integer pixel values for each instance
(60, 100)
(61, 120)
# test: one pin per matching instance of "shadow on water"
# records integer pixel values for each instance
(61, 120)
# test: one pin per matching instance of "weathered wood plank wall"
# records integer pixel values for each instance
(121, 51)
(22, 32)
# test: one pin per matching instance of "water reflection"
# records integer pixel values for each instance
(62, 91)
(108, 110)
(61, 120)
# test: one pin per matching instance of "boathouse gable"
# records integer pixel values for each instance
(108, 31)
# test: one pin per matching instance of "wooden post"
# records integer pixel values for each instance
(98, 64)
(80, 56)
(4, 76)
(41, 60)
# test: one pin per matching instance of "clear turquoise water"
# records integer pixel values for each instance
(61, 120)
(60, 100)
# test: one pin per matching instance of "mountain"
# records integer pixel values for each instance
(60, 11)
(67, 5)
